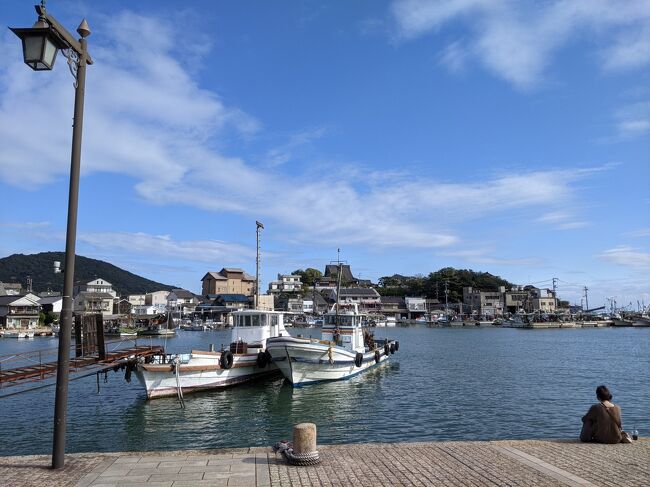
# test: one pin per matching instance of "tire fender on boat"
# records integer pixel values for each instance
(262, 360)
(358, 359)
(396, 346)
(392, 348)
(377, 356)
(386, 349)
(226, 359)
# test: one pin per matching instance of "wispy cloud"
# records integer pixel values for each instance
(627, 256)
(148, 118)
(562, 220)
(26, 225)
(642, 232)
(516, 40)
(486, 257)
(165, 246)
(285, 153)
(633, 120)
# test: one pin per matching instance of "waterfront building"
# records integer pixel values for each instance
(19, 311)
(543, 300)
(91, 302)
(415, 307)
(98, 285)
(367, 298)
(145, 310)
(137, 299)
(228, 280)
(157, 299)
(286, 283)
(488, 304)
(515, 300)
(51, 304)
(233, 301)
(181, 302)
(394, 306)
(330, 278)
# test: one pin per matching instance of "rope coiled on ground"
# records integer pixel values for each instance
(301, 459)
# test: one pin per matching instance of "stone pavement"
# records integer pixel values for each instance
(494, 463)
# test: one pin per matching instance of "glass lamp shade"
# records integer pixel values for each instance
(40, 46)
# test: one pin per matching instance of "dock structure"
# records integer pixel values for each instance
(475, 463)
(29, 367)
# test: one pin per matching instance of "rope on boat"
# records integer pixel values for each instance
(300, 459)
(177, 373)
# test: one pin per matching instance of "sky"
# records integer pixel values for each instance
(510, 137)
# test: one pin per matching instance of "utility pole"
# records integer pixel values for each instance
(586, 298)
(446, 297)
(257, 265)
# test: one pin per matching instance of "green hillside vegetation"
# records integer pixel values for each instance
(17, 267)
(433, 285)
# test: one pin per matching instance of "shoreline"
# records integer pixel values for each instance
(549, 462)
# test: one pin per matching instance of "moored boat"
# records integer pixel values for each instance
(245, 359)
(159, 327)
(345, 350)
(18, 334)
(641, 321)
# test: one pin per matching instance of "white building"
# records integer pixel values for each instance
(136, 299)
(286, 283)
(95, 286)
(19, 311)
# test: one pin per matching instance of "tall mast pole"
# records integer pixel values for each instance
(257, 265)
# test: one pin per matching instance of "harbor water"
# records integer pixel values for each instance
(443, 384)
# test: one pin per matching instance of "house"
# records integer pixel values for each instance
(51, 304)
(236, 301)
(145, 310)
(137, 299)
(367, 299)
(90, 302)
(229, 280)
(543, 300)
(181, 301)
(488, 304)
(415, 307)
(393, 306)
(20, 311)
(10, 288)
(158, 300)
(286, 283)
(95, 286)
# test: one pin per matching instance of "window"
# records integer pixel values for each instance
(255, 320)
(274, 320)
(247, 320)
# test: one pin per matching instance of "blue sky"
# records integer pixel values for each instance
(501, 136)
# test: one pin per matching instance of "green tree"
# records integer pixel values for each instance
(308, 276)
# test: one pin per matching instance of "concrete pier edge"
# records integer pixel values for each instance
(501, 462)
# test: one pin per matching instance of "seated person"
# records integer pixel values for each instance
(602, 423)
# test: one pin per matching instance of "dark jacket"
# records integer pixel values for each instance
(602, 423)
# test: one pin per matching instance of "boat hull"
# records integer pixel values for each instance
(159, 380)
(305, 362)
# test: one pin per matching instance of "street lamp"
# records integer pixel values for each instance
(40, 45)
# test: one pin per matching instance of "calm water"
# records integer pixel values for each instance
(443, 384)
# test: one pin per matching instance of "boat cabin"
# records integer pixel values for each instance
(256, 326)
(345, 328)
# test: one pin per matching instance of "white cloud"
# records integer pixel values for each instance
(148, 118)
(633, 120)
(165, 246)
(627, 256)
(643, 232)
(26, 225)
(485, 257)
(285, 153)
(454, 57)
(562, 220)
(516, 40)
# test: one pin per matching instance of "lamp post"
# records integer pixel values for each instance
(259, 227)
(41, 43)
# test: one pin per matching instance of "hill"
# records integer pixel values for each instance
(17, 267)
(433, 285)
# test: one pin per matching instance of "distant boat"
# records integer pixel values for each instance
(19, 334)
(159, 327)
(516, 321)
(641, 321)
(622, 322)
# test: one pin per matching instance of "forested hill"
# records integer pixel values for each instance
(433, 285)
(17, 267)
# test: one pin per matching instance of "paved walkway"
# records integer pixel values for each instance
(508, 463)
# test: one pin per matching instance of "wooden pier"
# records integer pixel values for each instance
(37, 365)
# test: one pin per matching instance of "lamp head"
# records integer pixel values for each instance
(40, 45)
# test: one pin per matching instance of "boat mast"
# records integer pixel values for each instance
(338, 284)
(257, 266)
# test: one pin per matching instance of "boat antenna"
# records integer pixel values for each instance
(257, 265)
(338, 289)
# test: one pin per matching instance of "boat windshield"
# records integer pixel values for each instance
(255, 320)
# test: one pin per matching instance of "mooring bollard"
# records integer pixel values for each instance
(304, 438)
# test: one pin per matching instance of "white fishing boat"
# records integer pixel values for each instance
(19, 334)
(515, 321)
(345, 350)
(245, 359)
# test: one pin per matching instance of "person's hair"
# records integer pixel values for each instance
(603, 394)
